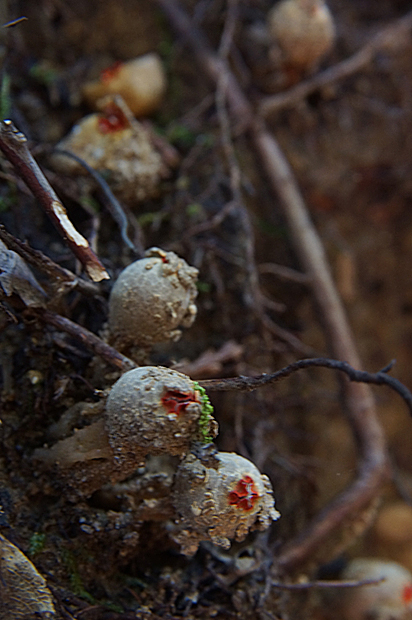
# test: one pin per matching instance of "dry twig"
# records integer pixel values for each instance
(248, 384)
(14, 146)
(324, 585)
(15, 22)
(58, 275)
(210, 362)
(113, 205)
(284, 273)
(85, 337)
(359, 401)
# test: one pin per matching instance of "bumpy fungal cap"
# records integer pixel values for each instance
(303, 29)
(151, 299)
(389, 600)
(155, 410)
(141, 82)
(109, 143)
(220, 503)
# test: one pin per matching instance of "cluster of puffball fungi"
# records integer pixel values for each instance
(156, 419)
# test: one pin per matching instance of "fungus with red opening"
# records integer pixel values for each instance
(118, 147)
(155, 410)
(220, 502)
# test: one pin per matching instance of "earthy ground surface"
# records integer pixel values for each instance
(349, 145)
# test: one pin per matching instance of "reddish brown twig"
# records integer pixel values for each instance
(58, 275)
(210, 362)
(85, 337)
(248, 384)
(324, 585)
(384, 40)
(113, 205)
(15, 22)
(359, 401)
(284, 273)
(14, 146)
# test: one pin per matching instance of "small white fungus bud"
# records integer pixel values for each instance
(303, 29)
(151, 299)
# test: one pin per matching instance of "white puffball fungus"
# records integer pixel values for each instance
(222, 502)
(304, 30)
(151, 299)
(389, 600)
(109, 143)
(155, 410)
(141, 82)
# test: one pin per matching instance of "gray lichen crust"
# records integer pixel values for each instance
(154, 410)
(220, 503)
(151, 299)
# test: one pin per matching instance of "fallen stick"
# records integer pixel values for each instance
(84, 336)
(248, 384)
(59, 276)
(13, 143)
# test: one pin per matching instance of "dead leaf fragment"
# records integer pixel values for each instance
(16, 277)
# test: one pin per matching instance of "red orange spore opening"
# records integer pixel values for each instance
(407, 594)
(244, 495)
(176, 402)
(112, 119)
(108, 74)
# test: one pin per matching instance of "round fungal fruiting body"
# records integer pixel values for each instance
(108, 143)
(304, 31)
(389, 600)
(220, 503)
(141, 82)
(151, 299)
(155, 410)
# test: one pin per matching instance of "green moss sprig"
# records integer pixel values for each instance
(207, 412)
